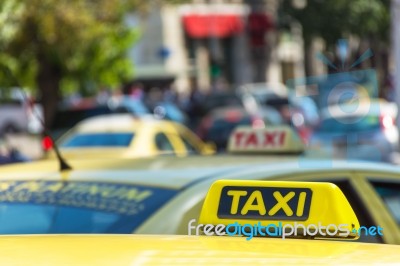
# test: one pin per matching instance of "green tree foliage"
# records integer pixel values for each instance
(59, 45)
(332, 20)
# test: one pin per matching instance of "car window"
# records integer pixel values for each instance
(99, 140)
(47, 207)
(163, 143)
(218, 100)
(390, 194)
(166, 110)
(359, 208)
(136, 107)
(221, 129)
(186, 139)
(357, 205)
(190, 146)
(69, 118)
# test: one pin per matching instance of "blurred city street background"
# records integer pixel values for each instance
(208, 65)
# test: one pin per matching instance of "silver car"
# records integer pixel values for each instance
(362, 130)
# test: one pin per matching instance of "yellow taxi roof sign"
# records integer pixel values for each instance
(319, 206)
(276, 139)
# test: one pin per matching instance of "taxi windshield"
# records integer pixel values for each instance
(47, 207)
(99, 140)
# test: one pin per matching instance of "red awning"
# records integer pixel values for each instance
(258, 25)
(212, 25)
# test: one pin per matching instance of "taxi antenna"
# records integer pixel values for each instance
(63, 164)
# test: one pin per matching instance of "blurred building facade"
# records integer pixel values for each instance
(214, 45)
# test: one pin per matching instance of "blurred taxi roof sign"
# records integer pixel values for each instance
(306, 204)
(272, 140)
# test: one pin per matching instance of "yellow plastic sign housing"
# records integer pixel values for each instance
(301, 204)
(276, 139)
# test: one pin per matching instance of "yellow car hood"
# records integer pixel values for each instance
(127, 250)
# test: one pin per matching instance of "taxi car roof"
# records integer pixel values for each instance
(117, 122)
(178, 173)
(99, 250)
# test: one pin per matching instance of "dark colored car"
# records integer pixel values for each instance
(67, 118)
(217, 126)
(362, 131)
(219, 100)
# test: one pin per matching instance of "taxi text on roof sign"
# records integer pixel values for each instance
(276, 139)
(306, 203)
(294, 205)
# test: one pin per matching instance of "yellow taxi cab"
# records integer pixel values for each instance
(133, 196)
(286, 227)
(124, 136)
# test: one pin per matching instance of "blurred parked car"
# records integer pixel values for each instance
(69, 115)
(160, 110)
(363, 130)
(169, 111)
(301, 114)
(255, 95)
(18, 115)
(126, 136)
(66, 118)
(72, 112)
(162, 195)
(126, 104)
(219, 100)
(219, 123)
(299, 111)
(308, 110)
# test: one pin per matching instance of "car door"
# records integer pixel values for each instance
(364, 200)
